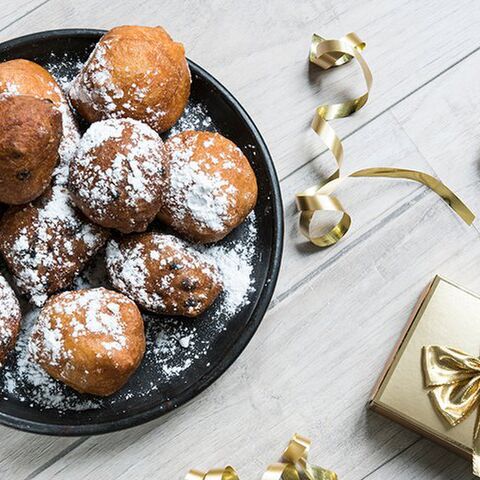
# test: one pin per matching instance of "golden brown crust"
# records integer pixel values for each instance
(210, 186)
(92, 340)
(10, 318)
(162, 274)
(30, 134)
(116, 177)
(136, 72)
(23, 77)
(46, 243)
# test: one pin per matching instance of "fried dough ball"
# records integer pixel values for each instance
(162, 274)
(92, 340)
(23, 77)
(47, 243)
(30, 133)
(137, 72)
(10, 318)
(210, 186)
(116, 177)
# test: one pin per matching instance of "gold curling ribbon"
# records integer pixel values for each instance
(294, 466)
(319, 198)
(454, 379)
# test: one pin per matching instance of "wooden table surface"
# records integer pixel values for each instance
(336, 313)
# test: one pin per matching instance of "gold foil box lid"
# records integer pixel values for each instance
(446, 314)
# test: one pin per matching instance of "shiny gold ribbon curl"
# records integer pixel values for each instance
(454, 379)
(319, 198)
(294, 466)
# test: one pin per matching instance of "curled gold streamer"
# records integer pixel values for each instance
(454, 381)
(319, 198)
(294, 466)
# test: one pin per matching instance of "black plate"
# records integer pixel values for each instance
(63, 51)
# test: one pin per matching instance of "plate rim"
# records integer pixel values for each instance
(207, 379)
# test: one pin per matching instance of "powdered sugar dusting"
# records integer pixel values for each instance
(195, 117)
(163, 274)
(196, 188)
(9, 314)
(133, 172)
(25, 380)
(94, 85)
(50, 244)
(63, 68)
(48, 333)
(235, 263)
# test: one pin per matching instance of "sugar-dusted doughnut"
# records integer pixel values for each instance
(210, 186)
(162, 274)
(136, 72)
(23, 77)
(30, 134)
(46, 243)
(92, 340)
(116, 177)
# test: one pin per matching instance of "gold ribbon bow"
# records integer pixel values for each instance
(454, 379)
(319, 199)
(294, 466)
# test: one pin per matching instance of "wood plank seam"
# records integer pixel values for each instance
(387, 109)
(404, 131)
(386, 462)
(34, 9)
(56, 457)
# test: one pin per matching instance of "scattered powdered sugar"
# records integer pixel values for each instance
(194, 117)
(174, 346)
(235, 263)
(63, 68)
(68, 145)
(10, 314)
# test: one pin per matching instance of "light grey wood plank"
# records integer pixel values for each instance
(425, 460)
(11, 11)
(259, 50)
(23, 453)
(444, 124)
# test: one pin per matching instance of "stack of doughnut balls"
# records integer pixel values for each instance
(65, 197)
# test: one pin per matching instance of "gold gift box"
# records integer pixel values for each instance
(446, 314)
